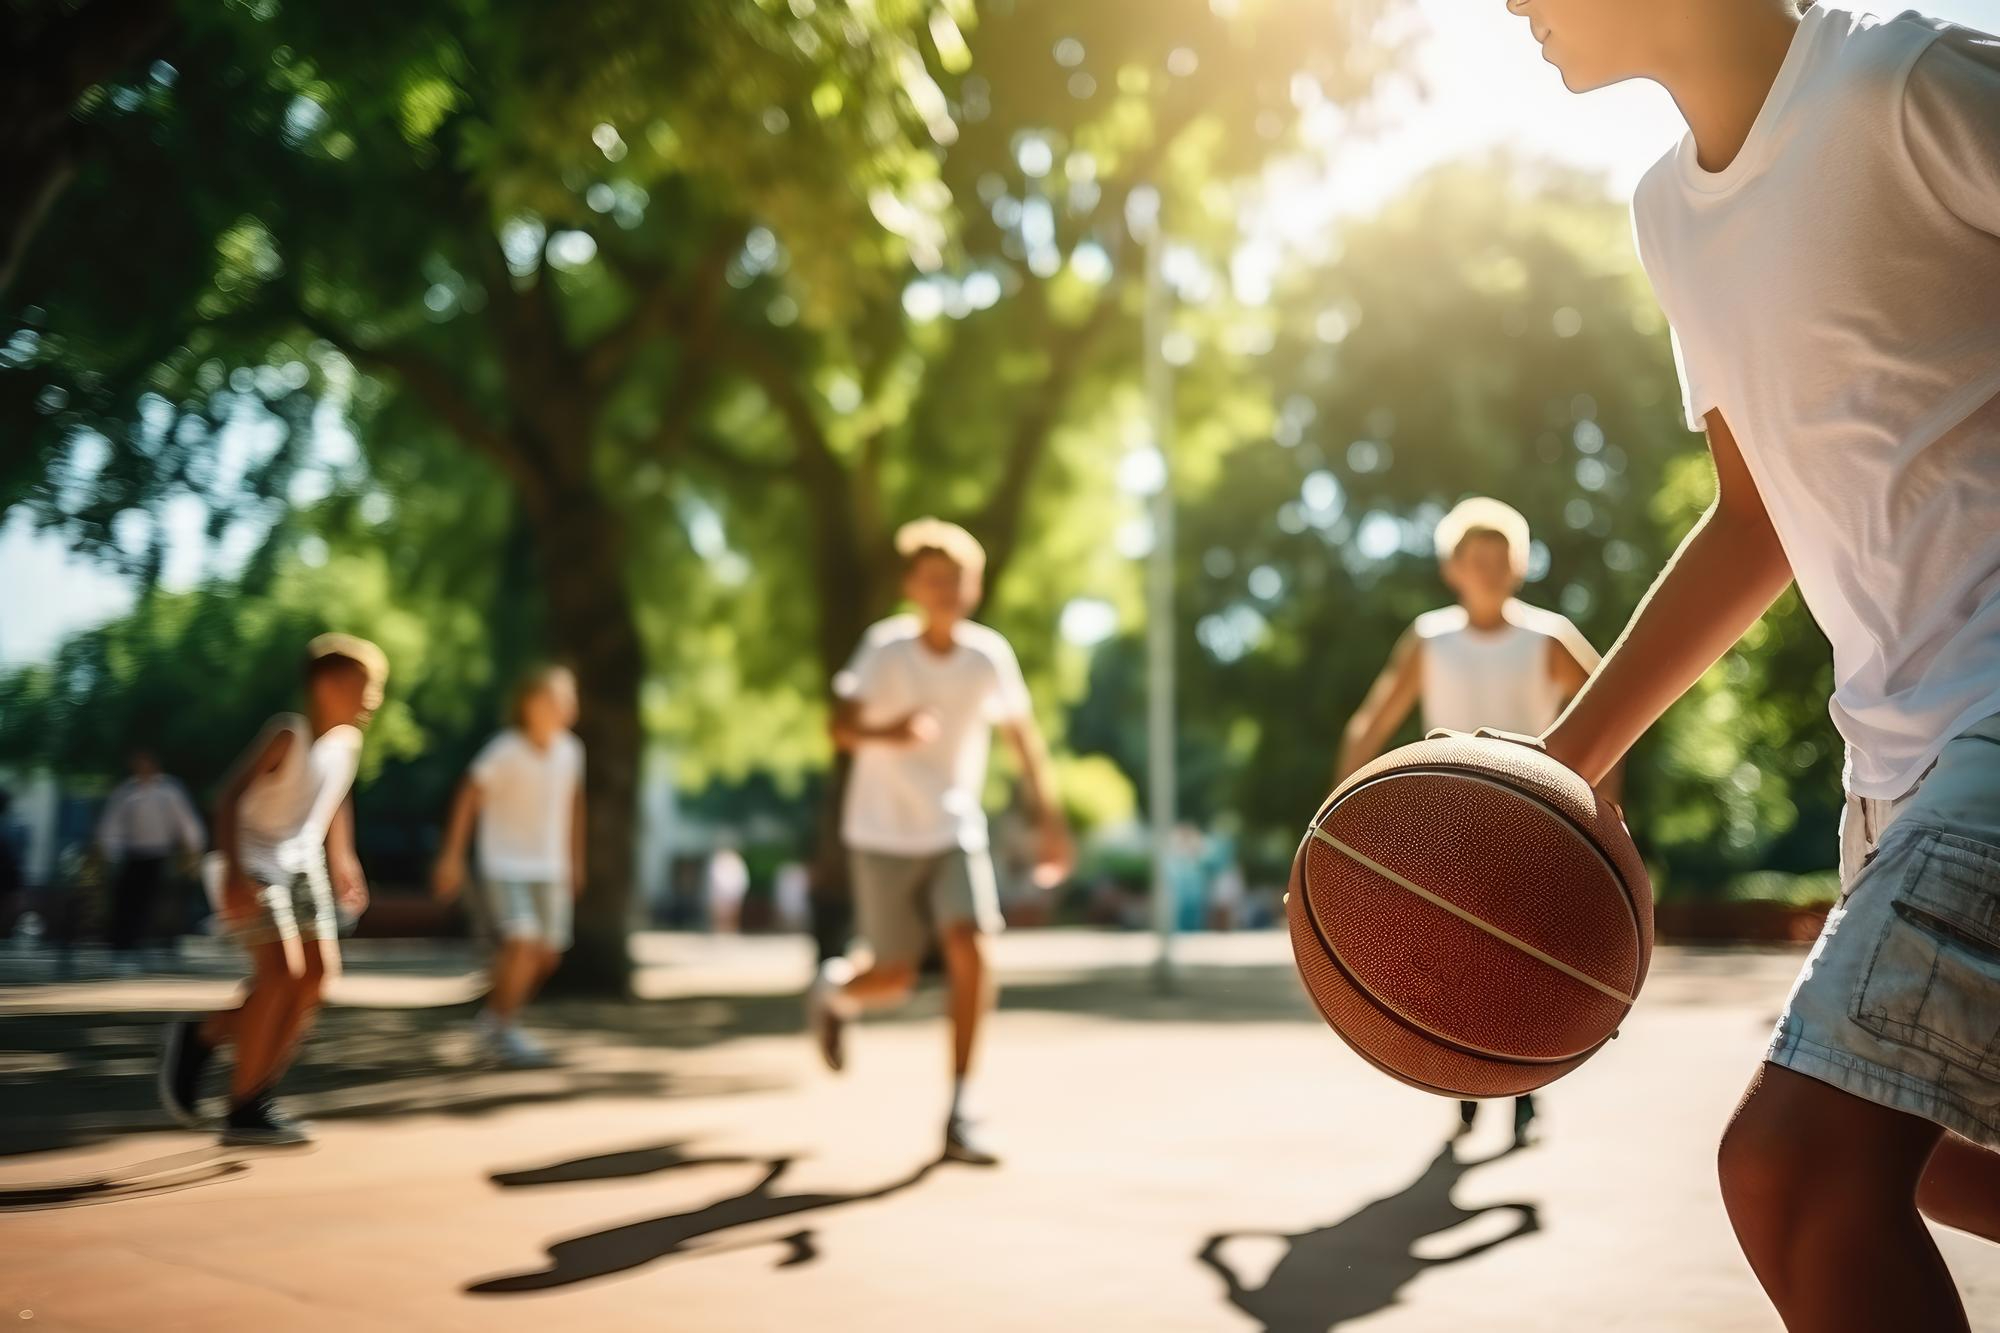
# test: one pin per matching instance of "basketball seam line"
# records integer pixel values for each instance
(1471, 920)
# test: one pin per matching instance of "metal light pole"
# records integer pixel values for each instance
(1160, 611)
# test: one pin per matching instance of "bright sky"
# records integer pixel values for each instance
(1486, 86)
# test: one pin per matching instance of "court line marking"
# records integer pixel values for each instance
(1471, 920)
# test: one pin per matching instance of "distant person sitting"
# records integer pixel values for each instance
(147, 822)
(1491, 661)
(526, 790)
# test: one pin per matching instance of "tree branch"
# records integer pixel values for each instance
(445, 399)
(664, 306)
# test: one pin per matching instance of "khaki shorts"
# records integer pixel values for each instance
(1899, 1001)
(900, 902)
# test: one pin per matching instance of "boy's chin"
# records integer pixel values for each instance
(1580, 78)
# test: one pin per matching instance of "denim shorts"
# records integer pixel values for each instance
(531, 910)
(1899, 1001)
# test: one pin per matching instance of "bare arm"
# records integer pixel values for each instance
(850, 733)
(1570, 676)
(349, 883)
(238, 893)
(1056, 855)
(1726, 574)
(1387, 704)
(448, 874)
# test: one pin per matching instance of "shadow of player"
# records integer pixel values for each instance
(615, 1166)
(636, 1244)
(1358, 1265)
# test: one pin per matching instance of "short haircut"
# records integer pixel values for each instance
(934, 536)
(336, 652)
(1483, 515)
(533, 682)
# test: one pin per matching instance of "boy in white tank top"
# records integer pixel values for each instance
(285, 874)
(1488, 661)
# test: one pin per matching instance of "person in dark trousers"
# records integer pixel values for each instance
(148, 823)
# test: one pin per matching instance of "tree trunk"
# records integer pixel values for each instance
(592, 628)
(848, 604)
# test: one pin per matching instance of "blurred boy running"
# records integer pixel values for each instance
(526, 790)
(284, 836)
(1490, 661)
(916, 706)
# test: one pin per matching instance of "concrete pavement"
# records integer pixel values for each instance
(1210, 1160)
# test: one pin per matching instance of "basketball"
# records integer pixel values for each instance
(1470, 916)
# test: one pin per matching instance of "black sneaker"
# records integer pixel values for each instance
(184, 1058)
(1524, 1119)
(261, 1123)
(962, 1144)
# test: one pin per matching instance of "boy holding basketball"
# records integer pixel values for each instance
(1491, 661)
(284, 834)
(1826, 244)
(915, 707)
(525, 789)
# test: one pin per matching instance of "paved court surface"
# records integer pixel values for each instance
(1207, 1160)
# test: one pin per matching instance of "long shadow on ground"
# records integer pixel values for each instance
(80, 1078)
(620, 1249)
(73, 1079)
(1358, 1265)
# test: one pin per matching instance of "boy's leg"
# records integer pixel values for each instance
(516, 963)
(1961, 1187)
(1821, 1187)
(890, 918)
(970, 982)
(322, 968)
(261, 1017)
(965, 902)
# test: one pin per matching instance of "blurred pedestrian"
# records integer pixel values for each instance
(916, 706)
(791, 896)
(286, 870)
(147, 832)
(728, 885)
(525, 789)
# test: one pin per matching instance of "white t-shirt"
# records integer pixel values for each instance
(148, 817)
(1835, 292)
(283, 816)
(527, 807)
(919, 800)
(1500, 678)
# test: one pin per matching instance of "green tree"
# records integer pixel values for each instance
(645, 263)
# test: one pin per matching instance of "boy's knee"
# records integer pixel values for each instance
(896, 980)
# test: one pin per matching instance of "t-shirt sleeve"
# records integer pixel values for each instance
(1696, 401)
(1009, 701)
(487, 762)
(863, 670)
(1951, 123)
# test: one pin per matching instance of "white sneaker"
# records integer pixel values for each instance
(515, 1049)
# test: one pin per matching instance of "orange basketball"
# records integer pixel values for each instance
(1470, 917)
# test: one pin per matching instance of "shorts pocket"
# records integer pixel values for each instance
(1933, 982)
